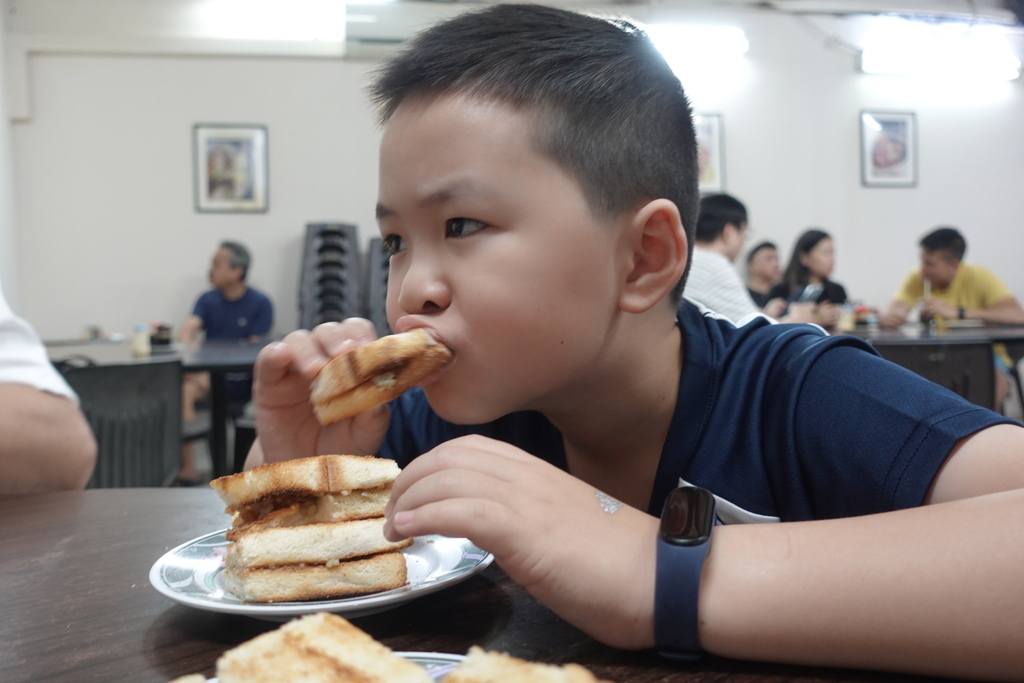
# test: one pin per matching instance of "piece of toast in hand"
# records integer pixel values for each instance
(375, 373)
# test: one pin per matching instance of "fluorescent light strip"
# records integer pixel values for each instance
(949, 50)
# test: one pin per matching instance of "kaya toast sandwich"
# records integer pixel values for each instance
(326, 648)
(375, 373)
(311, 529)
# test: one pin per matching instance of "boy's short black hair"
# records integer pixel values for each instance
(758, 247)
(716, 212)
(947, 241)
(608, 107)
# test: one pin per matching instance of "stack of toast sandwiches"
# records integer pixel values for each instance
(311, 529)
(325, 648)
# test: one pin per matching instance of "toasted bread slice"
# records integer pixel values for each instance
(375, 373)
(319, 648)
(305, 477)
(310, 544)
(495, 667)
(332, 507)
(318, 582)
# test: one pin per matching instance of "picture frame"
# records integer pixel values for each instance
(710, 156)
(231, 172)
(888, 149)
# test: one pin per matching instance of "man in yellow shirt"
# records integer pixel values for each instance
(948, 288)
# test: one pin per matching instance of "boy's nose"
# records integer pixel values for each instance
(421, 288)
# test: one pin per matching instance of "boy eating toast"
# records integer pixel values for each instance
(538, 193)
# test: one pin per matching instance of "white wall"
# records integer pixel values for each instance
(107, 233)
(9, 280)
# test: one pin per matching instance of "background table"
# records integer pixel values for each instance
(77, 605)
(220, 357)
(958, 358)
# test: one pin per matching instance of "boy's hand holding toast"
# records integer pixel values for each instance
(288, 426)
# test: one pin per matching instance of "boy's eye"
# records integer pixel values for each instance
(461, 227)
(393, 244)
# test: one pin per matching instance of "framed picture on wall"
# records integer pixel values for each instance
(888, 149)
(709, 152)
(230, 167)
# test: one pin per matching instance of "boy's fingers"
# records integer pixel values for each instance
(455, 484)
(487, 524)
(498, 460)
(272, 362)
(335, 338)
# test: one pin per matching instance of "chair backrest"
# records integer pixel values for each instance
(134, 410)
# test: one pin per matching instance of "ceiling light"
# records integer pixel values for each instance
(949, 50)
(709, 60)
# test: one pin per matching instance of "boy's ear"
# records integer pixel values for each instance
(659, 255)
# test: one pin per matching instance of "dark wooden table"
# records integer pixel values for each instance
(958, 358)
(77, 606)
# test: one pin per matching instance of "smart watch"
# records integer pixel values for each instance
(684, 538)
(962, 313)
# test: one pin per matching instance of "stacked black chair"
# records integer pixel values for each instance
(329, 290)
(377, 259)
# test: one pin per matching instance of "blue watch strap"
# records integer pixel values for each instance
(676, 623)
(684, 538)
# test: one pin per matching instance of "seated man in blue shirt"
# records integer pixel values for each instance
(231, 310)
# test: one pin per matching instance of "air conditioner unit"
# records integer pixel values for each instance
(389, 24)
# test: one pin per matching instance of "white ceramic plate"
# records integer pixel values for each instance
(437, 664)
(191, 575)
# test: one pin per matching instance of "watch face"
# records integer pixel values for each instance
(688, 516)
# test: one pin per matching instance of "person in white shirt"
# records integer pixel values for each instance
(714, 282)
(45, 442)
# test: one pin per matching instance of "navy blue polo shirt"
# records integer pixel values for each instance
(780, 422)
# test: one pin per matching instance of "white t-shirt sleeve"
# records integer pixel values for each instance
(715, 284)
(23, 359)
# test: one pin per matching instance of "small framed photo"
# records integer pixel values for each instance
(888, 149)
(710, 158)
(230, 168)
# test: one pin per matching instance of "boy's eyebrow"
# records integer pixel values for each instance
(456, 189)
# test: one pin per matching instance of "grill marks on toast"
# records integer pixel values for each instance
(375, 373)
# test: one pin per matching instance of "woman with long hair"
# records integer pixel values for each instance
(807, 278)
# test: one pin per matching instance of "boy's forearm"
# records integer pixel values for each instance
(1006, 312)
(933, 590)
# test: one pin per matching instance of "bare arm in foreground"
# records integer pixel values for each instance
(47, 444)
